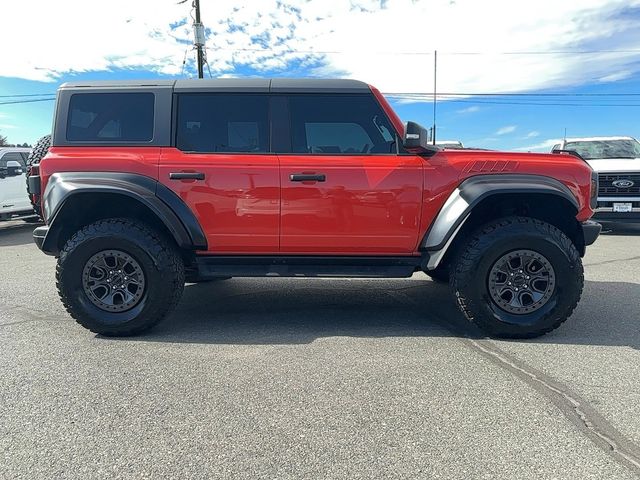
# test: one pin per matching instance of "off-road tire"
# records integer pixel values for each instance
(471, 268)
(38, 152)
(159, 260)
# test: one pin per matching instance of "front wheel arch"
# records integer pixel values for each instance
(549, 208)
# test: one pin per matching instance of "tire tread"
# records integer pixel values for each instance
(464, 267)
(160, 251)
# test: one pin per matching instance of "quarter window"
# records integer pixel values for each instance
(111, 117)
(339, 124)
(223, 123)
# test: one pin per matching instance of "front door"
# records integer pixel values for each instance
(345, 190)
(222, 170)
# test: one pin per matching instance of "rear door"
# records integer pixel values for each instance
(345, 188)
(222, 169)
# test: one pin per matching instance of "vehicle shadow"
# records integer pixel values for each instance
(298, 311)
(16, 233)
(295, 311)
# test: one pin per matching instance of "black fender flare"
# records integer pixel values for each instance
(176, 216)
(474, 190)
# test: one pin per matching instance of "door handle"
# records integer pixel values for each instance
(303, 177)
(186, 176)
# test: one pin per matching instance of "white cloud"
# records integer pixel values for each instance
(472, 109)
(507, 129)
(383, 43)
(544, 146)
(532, 134)
(6, 126)
(614, 77)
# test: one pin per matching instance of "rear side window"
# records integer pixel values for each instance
(223, 123)
(111, 117)
(339, 124)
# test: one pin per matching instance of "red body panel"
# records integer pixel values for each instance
(447, 169)
(140, 160)
(369, 204)
(238, 202)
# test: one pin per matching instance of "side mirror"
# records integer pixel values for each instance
(14, 168)
(416, 139)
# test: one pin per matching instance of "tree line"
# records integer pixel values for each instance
(4, 143)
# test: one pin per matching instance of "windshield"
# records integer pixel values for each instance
(592, 149)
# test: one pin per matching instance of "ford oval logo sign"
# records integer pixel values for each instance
(623, 183)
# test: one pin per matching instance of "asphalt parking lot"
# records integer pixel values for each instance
(298, 378)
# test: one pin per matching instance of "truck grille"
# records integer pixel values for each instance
(608, 189)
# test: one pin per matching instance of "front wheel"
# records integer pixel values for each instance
(517, 277)
(116, 277)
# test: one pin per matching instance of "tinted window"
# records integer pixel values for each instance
(223, 123)
(110, 117)
(339, 124)
(11, 156)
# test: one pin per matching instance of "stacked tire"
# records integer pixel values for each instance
(38, 152)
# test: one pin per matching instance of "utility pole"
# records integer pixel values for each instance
(199, 40)
(435, 90)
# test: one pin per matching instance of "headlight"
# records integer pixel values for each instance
(594, 190)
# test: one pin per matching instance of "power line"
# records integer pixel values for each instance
(541, 104)
(27, 101)
(285, 49)
(483, 94)
(28, 95)
(448, 97)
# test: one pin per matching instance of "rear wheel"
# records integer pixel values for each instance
(517, 277)
(116, 277)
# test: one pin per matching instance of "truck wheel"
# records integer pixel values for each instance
(517, 277)
(38, 152)
(116, 277)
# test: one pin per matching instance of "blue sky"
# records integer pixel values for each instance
(494, 46)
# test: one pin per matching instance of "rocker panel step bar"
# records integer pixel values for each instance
(214, 266)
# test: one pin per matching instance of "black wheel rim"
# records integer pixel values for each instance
(113, 281)
(521, 281)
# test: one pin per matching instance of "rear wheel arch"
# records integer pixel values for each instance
(75, 202)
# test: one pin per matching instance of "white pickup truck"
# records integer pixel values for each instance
(617, 162)
(14, 200)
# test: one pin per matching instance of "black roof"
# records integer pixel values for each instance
(279, 85)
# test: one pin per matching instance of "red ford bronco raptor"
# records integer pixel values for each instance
(148, 185)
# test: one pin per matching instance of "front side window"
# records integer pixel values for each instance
(231, 123)
(111, 117)
(339, 124)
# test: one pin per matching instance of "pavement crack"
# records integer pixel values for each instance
(617, 260)
(576, 409)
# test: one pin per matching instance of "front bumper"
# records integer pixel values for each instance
(39, 235)
(590, 231)
(608, 215)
